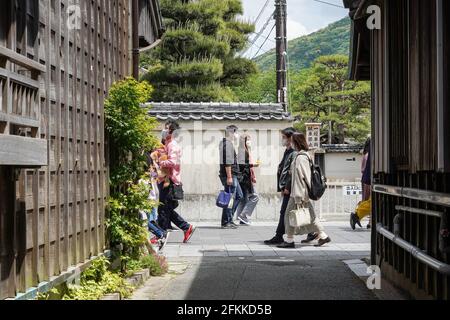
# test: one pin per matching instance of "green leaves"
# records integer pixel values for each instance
(95, 282)
(197, 58)
(129, 129)
(326, 96)
(124, 224)
(189, 72)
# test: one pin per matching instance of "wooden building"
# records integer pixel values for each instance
(408, 61)
(58, 59)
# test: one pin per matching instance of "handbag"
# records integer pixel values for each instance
(224, 199)
(299, 217)
(176, 192)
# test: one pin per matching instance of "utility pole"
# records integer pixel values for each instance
(281, 50)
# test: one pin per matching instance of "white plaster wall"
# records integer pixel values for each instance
(200, 166)
(200, 169)
(338, 168)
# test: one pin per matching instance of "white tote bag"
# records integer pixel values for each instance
(299, 217)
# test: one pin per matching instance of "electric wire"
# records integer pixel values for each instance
(265, 41)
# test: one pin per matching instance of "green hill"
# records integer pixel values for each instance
(334, 39)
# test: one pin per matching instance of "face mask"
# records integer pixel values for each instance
(249, 144)
(164, 134)
(285, 142)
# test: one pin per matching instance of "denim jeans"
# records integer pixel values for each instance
(235, 189)
(155, 229)
(247, 204)
(166, 211)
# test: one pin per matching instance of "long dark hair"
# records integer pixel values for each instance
(299, 141)
(244, 153)
(367, 146)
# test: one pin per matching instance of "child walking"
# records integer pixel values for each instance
(160, 235)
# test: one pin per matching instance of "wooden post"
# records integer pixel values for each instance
(7, 259)
(135, 37)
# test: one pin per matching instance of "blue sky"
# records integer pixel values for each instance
(304, 17)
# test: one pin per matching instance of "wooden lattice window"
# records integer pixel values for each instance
(19, 83)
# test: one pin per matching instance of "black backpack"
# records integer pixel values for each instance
(318, 182)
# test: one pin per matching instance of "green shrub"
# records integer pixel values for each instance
(156, 264)
(199, 33)
(95, 282)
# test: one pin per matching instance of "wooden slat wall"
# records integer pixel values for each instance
(422, 85)
(411, 107)
(148, 23)
(398, 90)
(405, 87)
(59, 216)
(379, 87)
(446, 62)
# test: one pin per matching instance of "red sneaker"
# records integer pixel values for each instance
(188, 234)
(154, 240)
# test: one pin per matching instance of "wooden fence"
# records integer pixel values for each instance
(57, 220)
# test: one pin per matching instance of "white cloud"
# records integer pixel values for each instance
(295, 29)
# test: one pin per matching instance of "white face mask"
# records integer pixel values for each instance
(285, 142)
(164, 134)
(249, 144)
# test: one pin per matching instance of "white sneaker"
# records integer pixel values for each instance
(244, 221)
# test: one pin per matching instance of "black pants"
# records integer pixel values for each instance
(281, 230)
(166, 211)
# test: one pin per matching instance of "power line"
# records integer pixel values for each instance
(265, 41)
(261, 12)
(258, 35)
(329, 3)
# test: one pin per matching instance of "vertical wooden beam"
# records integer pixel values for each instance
(47, 38)
(96, 111)
(82, 158)
(20, 232)
(7, 214)
(101, 155)
(35, 228)
(443, 148)
(75, 151)
(58, 106)
(135, 37)
(89, 127)
(66, 184)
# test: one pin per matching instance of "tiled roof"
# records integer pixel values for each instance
(218, 111)
(342, 148)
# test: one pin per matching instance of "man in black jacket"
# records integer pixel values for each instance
(284, 183)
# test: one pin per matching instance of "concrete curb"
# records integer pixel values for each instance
(138, 278)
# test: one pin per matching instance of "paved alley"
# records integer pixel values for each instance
(235, 264)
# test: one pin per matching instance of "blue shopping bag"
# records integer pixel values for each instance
(224, 199)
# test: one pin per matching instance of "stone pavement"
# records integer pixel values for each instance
(235, 265)
(211, 241)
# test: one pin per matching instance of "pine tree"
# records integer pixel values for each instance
(327, 96)
(197, 58)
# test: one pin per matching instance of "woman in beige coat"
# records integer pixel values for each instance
(301, 182)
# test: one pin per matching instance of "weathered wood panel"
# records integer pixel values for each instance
(150, 24)
(58, 217)
(22, 151)
(406, 90)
